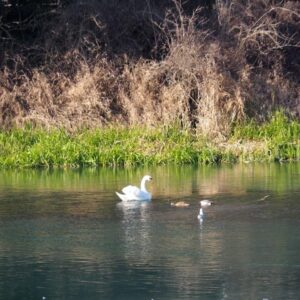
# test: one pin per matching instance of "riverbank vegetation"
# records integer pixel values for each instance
(205, 64)
(276, 140)
(152, 82)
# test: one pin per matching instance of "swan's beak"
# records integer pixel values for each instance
(150, 178)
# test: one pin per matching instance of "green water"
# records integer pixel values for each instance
(64, 234)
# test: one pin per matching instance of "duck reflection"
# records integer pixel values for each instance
(137, 229)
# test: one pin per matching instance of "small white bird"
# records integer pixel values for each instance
(131, 192)
(201, 214)
(205, 203)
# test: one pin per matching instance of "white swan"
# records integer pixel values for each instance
(131, 192)
(201, 214)
(205, 203)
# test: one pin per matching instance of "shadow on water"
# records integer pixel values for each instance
(65, 234)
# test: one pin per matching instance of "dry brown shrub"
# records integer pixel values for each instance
(260, 28)
(210, 84)
(57, 100)
(89, 96)
(221, 102)
(188, 86)
(30, 99)
(260, 41)
(206, 75)
(269, 91)
(152, 98)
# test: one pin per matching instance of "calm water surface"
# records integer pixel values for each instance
(65, 234)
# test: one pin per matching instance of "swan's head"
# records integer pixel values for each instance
(147, 178)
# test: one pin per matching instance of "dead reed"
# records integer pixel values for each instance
(200, 71)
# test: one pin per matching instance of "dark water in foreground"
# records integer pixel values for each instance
(65, 235)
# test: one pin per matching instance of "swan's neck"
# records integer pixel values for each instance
(143, 185)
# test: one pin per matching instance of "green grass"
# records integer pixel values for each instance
(276, 140)
(280, 135)
(108, 147)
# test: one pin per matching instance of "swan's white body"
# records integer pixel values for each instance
(201, 214)
(131, 192)
(205, 203)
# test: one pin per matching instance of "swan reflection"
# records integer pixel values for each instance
(136, 227)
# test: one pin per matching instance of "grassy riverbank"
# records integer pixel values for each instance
(275, 140)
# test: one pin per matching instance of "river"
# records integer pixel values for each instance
(64, 234)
